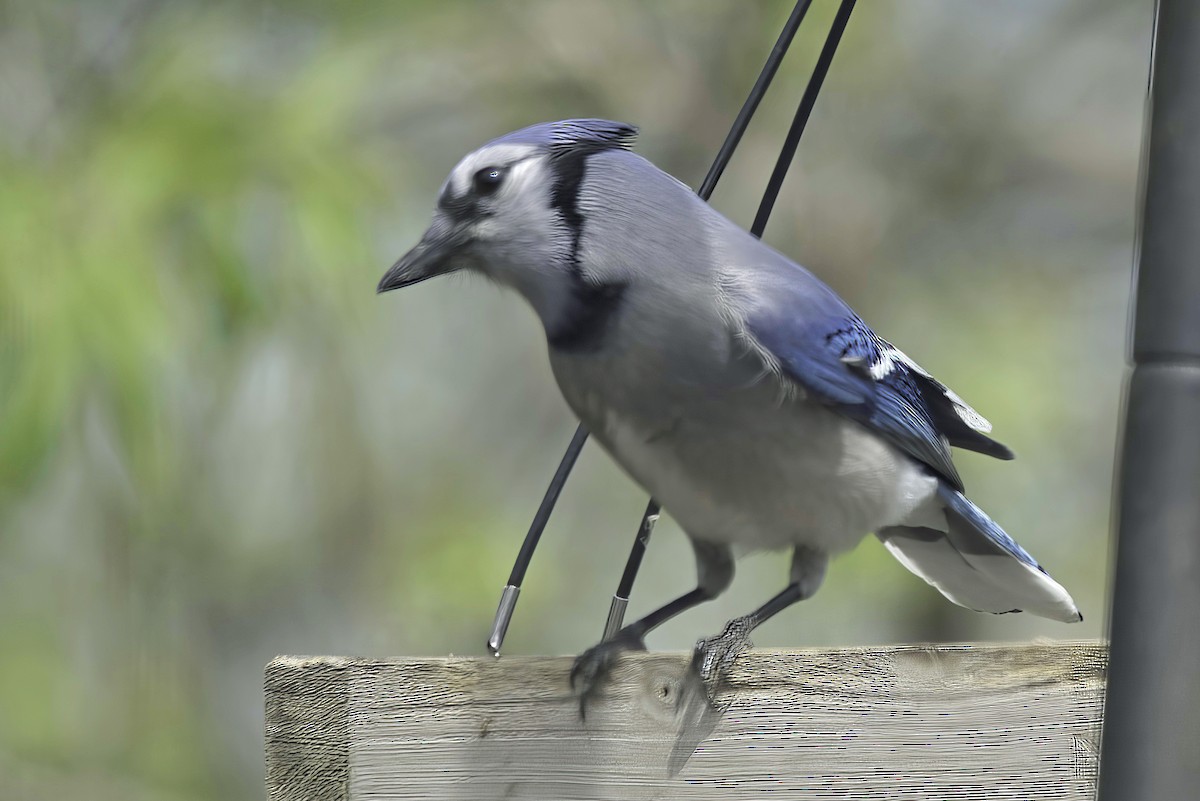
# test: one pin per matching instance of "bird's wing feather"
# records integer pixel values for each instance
(819, 343)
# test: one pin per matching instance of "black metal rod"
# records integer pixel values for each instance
(620, 600)
(639, 549)
(1151, 741)
(641, 539)
(508, 597)
(742, 121)
(633, 563)
(547, 506)
(807, 101)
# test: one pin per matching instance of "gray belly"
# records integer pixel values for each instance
(743, 461)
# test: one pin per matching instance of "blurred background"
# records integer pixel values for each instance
(218, 445)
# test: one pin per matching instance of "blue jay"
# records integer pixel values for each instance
(728, 381)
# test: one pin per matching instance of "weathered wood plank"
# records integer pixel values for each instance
(307, 728)
(948, 722)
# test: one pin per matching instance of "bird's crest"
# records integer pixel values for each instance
(576, 137)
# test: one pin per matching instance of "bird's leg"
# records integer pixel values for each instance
(714, 570)
(714, 656)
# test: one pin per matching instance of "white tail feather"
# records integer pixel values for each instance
(986, 582)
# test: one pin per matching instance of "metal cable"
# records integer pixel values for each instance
(620, 600)
(724, 154)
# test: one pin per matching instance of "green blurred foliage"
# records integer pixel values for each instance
(216, 444)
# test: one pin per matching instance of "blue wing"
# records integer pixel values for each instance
(822, 345)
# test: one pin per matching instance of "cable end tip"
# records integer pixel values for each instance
(504, 613)
(616, 616)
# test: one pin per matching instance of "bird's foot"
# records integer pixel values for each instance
(714, 656)
(593, 666)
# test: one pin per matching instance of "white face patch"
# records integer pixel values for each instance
(513, 233)
(518, 200)
(501, 155)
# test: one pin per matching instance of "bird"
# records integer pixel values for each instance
(731, 383)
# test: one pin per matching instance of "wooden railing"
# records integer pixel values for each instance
(986, 722)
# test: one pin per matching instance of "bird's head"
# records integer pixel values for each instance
(509, 211)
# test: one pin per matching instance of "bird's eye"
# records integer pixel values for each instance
(488, 180)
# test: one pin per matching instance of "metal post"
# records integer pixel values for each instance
(1151, 741)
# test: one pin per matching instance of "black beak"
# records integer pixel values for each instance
(432, 256)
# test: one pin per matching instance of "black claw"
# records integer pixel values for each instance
(591, 668)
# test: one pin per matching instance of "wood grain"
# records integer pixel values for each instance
(307, 728)
(947, 722)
